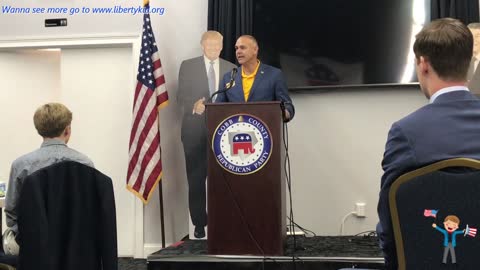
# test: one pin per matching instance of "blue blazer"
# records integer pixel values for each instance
(269, 85)
(447, 128)
(445, 236)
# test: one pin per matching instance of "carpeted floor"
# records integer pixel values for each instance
(123, 263)
(132, 264)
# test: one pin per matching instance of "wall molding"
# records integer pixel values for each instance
(69, 42)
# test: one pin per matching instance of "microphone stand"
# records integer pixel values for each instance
(220, 91)
(229, 85)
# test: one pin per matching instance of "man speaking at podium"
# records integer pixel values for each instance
(254, 80)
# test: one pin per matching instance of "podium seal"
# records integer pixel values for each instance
(242, 144)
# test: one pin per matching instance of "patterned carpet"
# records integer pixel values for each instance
(328, 246)
(132, 264)
(322, 246)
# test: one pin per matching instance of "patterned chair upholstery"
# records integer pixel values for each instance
(447, 194)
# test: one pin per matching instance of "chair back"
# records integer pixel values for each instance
(67, 219)
(427, 196)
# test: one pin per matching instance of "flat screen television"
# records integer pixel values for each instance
(340, 42)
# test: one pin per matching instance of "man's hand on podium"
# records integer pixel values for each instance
(286, 115)
(199, 106)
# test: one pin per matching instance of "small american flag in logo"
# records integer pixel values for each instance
(470, 231)
(430, 213)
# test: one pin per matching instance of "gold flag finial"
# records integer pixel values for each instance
(145, 2)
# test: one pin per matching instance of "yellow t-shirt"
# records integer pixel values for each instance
(247, 81)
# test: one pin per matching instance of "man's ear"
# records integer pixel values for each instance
(67, 130)
(424, 65)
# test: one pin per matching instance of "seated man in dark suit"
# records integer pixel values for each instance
(447, 127)
(53, 123)
(255, 81)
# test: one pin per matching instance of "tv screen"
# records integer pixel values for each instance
(341, 42)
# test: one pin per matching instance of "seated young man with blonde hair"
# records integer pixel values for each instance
(53, 123)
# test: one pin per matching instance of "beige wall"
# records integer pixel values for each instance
(336, 146)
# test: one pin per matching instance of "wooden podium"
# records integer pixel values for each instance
(246, 187)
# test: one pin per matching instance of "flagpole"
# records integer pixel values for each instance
(162, 223)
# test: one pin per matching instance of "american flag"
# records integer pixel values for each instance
(145, 164)
(470, 231)
(430, 213)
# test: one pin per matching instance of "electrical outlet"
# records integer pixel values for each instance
(296, 233)
(360, 209)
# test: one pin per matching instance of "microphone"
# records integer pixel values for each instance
(232, 76)
(282, 104)
(229, 85)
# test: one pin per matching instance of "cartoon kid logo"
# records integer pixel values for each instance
(450, 233)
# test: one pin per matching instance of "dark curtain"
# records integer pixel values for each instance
(464, 10)
(232, 18)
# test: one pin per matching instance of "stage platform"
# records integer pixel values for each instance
(319, 253)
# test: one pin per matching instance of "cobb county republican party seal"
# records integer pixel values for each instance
(242, 144)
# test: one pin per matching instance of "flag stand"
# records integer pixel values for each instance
(162, 223)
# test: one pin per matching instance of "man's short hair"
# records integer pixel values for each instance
(453, 219)
(252, 38)
(51, 119)
(448, 46)
(211, 35)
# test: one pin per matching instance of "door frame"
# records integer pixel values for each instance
(131, 41)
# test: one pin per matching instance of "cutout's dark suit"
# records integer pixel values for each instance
(192, 86)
